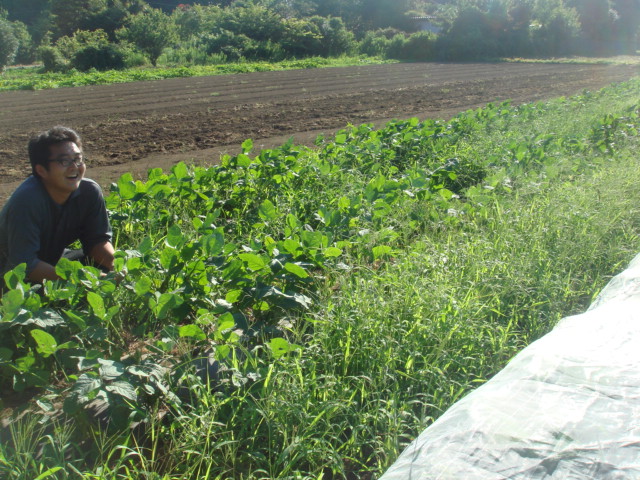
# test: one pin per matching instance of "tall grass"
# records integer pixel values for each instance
(395, 340)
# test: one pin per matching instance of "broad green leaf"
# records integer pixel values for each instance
(313, 239)
(174, 236)
(126, 186)
(293, 222)
(143, 285)
(192, 331)
(12, 302)
(222, 352)
(243, 160)
(254, 262)
(213, 244)
(294, 247)
(233, 296)
(25, 363)
(267, 211)
(45, 343)
(280, 347)
(247, 145)
(97, 304)
(165, 303)
(381, 251)
(446, 194)
(123, 389)
(5, 354)
(145, 246)
(226, 322)
(296, 270)
(67, 269)
(180, 171)
(332, 252)
(110, 369)
(168, 258)
(13, 277)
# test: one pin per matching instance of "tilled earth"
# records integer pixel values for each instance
(135, 126)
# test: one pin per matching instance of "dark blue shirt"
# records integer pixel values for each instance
(33, 227)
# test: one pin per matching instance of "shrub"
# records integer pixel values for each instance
(151, 32)
(68, 46)
(336, 39)
(374, 45)
(418, 46)
(52, 59)
(100, 57)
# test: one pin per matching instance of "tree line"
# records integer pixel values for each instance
(112, 34)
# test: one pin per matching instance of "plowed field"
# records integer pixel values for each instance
(135, 126)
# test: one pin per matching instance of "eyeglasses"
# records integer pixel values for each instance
(67, 161)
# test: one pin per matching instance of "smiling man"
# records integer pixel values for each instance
(53, 208)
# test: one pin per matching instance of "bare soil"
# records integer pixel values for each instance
(136, 126)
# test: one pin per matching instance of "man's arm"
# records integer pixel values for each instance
(42, 271)
(103, 254)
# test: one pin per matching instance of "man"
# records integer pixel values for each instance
(53, 208)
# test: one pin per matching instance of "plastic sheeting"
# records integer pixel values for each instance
(566, 407)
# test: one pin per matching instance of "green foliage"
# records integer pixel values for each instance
(8, 44)
(52, 59)
(302, 312)
(83, 50)
(390, 43)
(25, 53)
(100, 57)
(471, 37)
(31, 79)
(151, 32)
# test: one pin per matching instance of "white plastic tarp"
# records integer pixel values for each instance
(566, 407)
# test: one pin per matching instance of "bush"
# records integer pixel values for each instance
(374, 45)
(100, 57)
(336, 39)
(52, 59)
(418, 46)
(8, 44)
(68, 46)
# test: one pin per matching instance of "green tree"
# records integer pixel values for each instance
(25, 11)
(71, 15)
(471, 37)
(596, 25)
(626, 25)
(151, 32)
(556, 28)
(26, 51)
(8, 44)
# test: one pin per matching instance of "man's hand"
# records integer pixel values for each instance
(42, 271)
(103, 255)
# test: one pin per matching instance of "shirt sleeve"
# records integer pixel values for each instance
(24, 229)
(96, 228)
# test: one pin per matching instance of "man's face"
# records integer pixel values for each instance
(61, 181)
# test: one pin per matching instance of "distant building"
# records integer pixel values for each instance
(426, 24)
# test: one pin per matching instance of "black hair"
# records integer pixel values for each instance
(39, 145)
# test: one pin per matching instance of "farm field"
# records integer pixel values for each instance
(304, 313)
(136, 126)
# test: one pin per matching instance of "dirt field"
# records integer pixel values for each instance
(136, 126)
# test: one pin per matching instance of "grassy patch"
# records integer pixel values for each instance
(31, 78)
